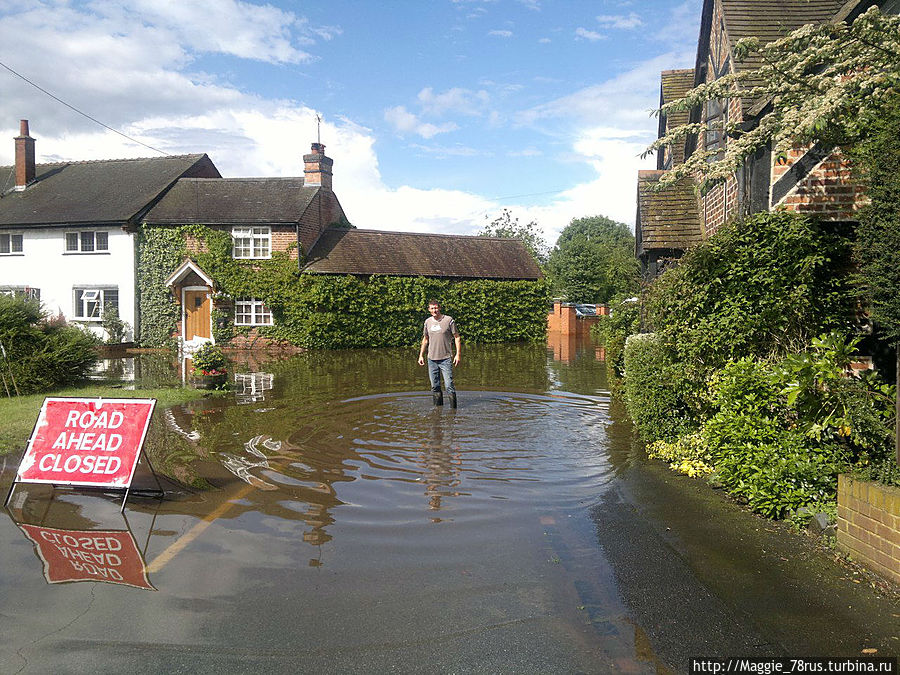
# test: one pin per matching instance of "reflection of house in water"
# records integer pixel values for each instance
(121, 369)
(252, 387)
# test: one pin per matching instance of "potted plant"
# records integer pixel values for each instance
(209, 366)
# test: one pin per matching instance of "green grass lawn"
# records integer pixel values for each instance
(18, 414)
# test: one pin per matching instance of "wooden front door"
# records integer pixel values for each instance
(196, 315)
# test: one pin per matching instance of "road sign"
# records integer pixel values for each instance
(108, 556)
(81, 441)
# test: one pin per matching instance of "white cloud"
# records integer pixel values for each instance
(450, 150)
(501, 33)
(544, 41)
(406, 122)
(586, 34)
(465, 101)
(619, 21)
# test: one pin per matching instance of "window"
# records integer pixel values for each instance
(251, 242)
(10, 244)
(714, 114)
(251, 312)
(87, 242)
(21, 292)
(90, 302)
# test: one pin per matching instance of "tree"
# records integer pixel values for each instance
(877, 158)
(506, 226)
(593, 260)
(833, 83)
(819, 83)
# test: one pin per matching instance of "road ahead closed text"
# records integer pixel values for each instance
(86, 441)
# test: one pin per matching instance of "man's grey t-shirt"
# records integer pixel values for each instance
(439, 334)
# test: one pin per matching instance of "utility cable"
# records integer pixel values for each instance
(83, 114)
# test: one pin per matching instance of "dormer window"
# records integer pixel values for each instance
(251, 242)
(10, 244)
(87, 242)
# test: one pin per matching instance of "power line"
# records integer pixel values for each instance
(84, 114)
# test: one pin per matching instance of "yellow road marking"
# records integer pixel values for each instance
(184, 540)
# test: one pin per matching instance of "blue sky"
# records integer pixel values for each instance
(437, 113)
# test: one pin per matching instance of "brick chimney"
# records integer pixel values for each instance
(24, 157)
(317, 167)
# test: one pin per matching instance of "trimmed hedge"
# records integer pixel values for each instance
(653, 386)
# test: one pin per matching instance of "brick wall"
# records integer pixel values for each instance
(719, 205)
(563, 320)
(253, 340)
(827, 192)
(310, 227)
(869, 525)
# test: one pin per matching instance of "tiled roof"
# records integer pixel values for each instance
(770, 20)
(102, 191)
(674, 84)
(367, 252)
(669, 219)
(233, 200)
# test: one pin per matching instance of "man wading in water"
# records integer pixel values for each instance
(436, 336)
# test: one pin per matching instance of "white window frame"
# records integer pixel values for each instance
(95, 294)
(251, 242)
(11, 238)
(80, 236)
(259, 314)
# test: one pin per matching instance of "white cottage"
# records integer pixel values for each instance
(67, 229)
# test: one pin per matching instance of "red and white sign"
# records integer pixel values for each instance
(110, 556)
(81, 441)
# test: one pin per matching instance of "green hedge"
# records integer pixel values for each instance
(333, 311)
(761, 286)
(653, 389)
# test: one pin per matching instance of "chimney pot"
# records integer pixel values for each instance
(25, 169)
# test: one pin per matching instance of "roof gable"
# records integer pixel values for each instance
(668, 219)
(368, 252)
(767, 20)
(226, 201)
(100, 191)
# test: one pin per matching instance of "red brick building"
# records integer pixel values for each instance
(814, 180)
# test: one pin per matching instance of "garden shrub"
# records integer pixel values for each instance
(613, 329)
(783, 430)
(654, 389)
(41, 354)
(761, 286)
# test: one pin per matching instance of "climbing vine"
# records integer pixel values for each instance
(328, 311)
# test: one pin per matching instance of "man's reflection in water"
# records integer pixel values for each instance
(441, 460)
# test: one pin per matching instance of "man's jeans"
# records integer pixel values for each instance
(435, 369)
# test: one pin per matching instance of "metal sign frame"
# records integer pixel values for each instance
(92, 484)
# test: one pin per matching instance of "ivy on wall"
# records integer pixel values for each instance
(330, 311)
(160, 251)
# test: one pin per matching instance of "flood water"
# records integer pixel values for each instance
(324, 516)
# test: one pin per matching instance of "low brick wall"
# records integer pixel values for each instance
(868, 526)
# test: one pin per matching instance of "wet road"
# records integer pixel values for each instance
(326, 518)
